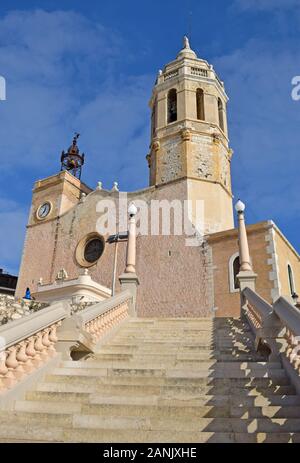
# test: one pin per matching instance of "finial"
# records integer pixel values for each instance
(61, 275)
(186, 51)
(115, 187)
(186, 43)
(99, 186)
(75, 138)
(82, 197)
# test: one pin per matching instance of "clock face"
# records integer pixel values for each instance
(44, 210)
(93, 250)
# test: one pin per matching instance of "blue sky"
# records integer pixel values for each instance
(90, 66)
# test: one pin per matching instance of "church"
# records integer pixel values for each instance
(148, 316)
(189, 164)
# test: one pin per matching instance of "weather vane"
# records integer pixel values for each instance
(72, 160)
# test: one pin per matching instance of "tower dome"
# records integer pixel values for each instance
(186, 51)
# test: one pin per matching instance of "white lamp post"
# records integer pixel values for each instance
(245, 264)
(131, 246)
(246, 276)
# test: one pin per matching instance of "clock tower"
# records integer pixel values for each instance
(189, 136)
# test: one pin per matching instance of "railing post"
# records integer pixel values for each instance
(129, 280)
(246, 275)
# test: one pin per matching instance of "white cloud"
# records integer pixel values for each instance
(46, 59)
(62, 76)
(262, 5)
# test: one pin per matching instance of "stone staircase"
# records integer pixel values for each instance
(162, 380)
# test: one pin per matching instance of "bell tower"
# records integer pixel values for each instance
(189, 136)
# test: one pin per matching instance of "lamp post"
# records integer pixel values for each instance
(119, 237)
(129, 280)
(131, 247)
(245, 264)
(246, 276)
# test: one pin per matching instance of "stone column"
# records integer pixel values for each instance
(246, 276)
(129, 280)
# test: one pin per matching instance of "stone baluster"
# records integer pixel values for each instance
(13, 364)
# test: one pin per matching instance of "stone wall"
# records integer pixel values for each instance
(175, 279)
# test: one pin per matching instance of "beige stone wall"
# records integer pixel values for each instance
(175, 280)
(286, 254)
(224, 245)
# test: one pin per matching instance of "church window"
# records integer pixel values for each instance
(93, 250)
(234, 268)
(172, 105)
(221, 114)
(291, 279)
(89, 249)
(153, 119)
(200, 104)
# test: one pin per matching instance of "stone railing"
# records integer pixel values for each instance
(80, 334)
(14, 309)
(262, 320)
(277, 326)
(289, 317)
(28, 343)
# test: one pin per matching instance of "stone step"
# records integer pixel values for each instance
(209, 376)
(197, 424)
(13, 433)
(174, 392)
(276, 375)
(127, 410)
(213, 365)
(205, 355)
(200, 400)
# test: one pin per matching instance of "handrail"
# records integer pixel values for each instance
(28, 343)
(23, 328)
(102, 307)
(265, 309)
(278, 326)
(288, 314)
(82, 331)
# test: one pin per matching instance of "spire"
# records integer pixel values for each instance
(186, 51)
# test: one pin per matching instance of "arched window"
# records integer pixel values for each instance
(172, 105)
(200, 104)
(234, 268)
(153, 119)
(221, 115)
(291, 279)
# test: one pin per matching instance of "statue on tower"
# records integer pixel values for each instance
(72, 160)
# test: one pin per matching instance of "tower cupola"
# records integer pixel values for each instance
(189, 134)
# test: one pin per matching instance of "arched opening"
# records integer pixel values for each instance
(234, 269)
(291, 279)
(221, 114)
(153, 119)
(172, 105)
(200, 104)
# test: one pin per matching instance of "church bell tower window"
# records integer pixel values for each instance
(221, 116)
(172, 105)
(200, 104)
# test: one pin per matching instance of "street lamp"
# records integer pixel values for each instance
(240, 206)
